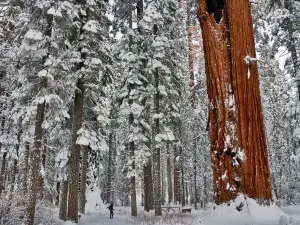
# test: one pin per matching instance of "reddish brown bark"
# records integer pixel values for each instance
(238, 143)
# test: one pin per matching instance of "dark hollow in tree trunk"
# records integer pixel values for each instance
(238, 143)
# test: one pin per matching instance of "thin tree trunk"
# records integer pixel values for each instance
(186, 193)
(169, 169)
(84, 162)
(63, 203)
(163, 192)
(74, 161)
(182, 184)
(238, 142)
(3, 171)
(26, 168)
(176, 177)
(156, 151)
(195, 175)
(110, 165)
(15, 164)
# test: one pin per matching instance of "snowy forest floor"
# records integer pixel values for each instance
(142, 219)
(122, 217)
(252, 214)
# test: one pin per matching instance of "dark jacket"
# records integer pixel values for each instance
(111, 207)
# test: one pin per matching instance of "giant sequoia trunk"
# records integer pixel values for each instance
(238, 143)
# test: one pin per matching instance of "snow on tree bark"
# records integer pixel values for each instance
(83, 178)
(109, 168)
(238, 142)
(73, 168)
(131, 87)
(35, 154)
(35, 160)
(156, 149)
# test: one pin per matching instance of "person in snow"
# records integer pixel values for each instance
(111, 210)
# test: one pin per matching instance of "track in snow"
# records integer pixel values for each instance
(103, 220)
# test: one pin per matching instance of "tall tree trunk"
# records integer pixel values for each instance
(131, 132)
(156, 151)
(63, 202)
(292, 42)
(14, 169)
(83, 175)
(176, 177)
(182, 180)
(109, 168)
(26, 167)
(195, 176)
(148, 178)
(148, 186)
(35, 154)
(35, 160)
(169, 174)
(238, 142)
(74, 161)
(3, 171)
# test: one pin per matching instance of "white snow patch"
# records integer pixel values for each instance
(252, 213)
(81, 140)
(92, 26)
(34, 35)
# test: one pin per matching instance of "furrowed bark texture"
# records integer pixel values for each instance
(73, 168)
(63, 203)
(35, 160)
(238, 143)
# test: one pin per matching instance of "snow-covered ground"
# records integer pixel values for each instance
(293, 211)
(104, 220)
(251, 214)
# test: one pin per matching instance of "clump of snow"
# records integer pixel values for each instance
(251, 213)
(92, 26)
(81, 140)
(34, 35)
(248, 60)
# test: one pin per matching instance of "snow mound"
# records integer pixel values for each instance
(251, 213)
(94, 202)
